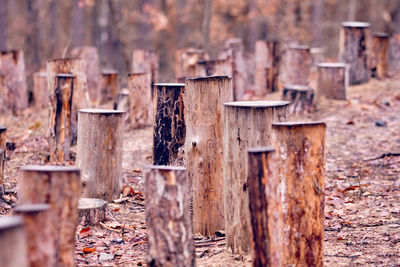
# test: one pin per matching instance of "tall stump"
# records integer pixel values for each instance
(353, 50)
(169, 124)
(140, 99)
(332, 80)
(204, 98)
(12, 242)
(109, 86)
(146, 61)
(297, 65)
(300, 149)
(99, 152)
(3, 149)
(185, 61)
(247, 124)
(60, 109)
(235, 52)
(40, 90)
(168, 217)
(380, 55)
(59, 187)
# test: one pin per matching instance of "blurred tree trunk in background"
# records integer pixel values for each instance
(317, 22)
(252, 25)
(398, 17)
(206, 24)
(78, 23)
(352, 10)
(3, 24)
(52, 32)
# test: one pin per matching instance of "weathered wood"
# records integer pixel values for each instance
(394, 52)
(301, 98)
(169, 131)
(300, 149)
(297, 65)
(353, 50)
(332, 80)
(123, 104)
(265, 208)
(168, 217)
(92, 211)
(146, 61)
(273, 66)
(247, 124)
(380, 55)
(218, 67)
(267, 67)
(140, 100)
(185, 61)
(40, 234)
(13, 89)
(40, 90)
(59, 187)
(12, 242)
(109, 86)
(99, 152)
(60, 109)
(235, 52)
(3, 149)
(204, 98)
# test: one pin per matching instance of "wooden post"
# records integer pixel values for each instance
(265, 208)
(12, 242)
(301, 98)
(218, 67)
(40, 234)
(13, 89)
(267, 67)
(92, 211)
(3, 149)
(273, 66)
(99, 152)
(332, 80)
(297, 65)
(168, 217)
(169, 124)
(380, 55)
(185, 61)
(140, 98)
(40, 90)
(247, 124)
(204, 98)
(146, 61)
(300, 160)
(353, 50)
(235, 50)
(59, 187)
(109, 86)
(394, 52)
(60, 130)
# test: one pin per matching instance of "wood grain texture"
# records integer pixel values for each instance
(13, 251)
(140, 99)
(332, 80)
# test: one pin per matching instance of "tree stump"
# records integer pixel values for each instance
(13, 242)
(297, 65)
(317, 57)
(168, 217)
(273, 66)
(123, 104)
(394, 53)
(332, 80)
(60, 133)
(99, 152)
(353, 50)
(300, 149)
(169, 131)
(40, 90)
(235, 51)
(185, 61)
(204, 98)
(247, 124)
(380, 55)
(92, 211)
(59, 187)
(13, 89)
(301, 98)
(40, 234)
(267, 67)
(140, 100)
(265, 208)
(3, 149)
(146, 61)
(109, 86)
(219, 67)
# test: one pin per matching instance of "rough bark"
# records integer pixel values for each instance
(380, 55)
(168, 217)
(109, 86)
(92, 211)
(204, 98)
(300, 149)
(332, 80)
(39, 231)
(235, 54)
(169, 124)
(146, 61)
(247, 124)
(40, 90)
(60, 130)
(301, 98)
(265, 208)
(12, 242)
(297, 65)
(353, 50)
(3, 149)
(140, 100)
(185, 62)
(99, 152)
(59, 187)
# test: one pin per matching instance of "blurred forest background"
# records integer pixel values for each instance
(46, 29)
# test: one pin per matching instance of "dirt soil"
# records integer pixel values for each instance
(362, 202)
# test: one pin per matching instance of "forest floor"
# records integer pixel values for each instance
(362, 194)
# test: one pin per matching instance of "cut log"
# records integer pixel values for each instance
(146, 61)
(185, 61)
(13, 88)
(168, 217)
(40, 234)
(247, 124)
(300, 149)
(353, 50)
(60, 128)
(332, 80)
(204, 98)
(394, 53)
(40, 90)
(123, 104)
(235, 52)
(219, 67)
(301, 98)
(380, 55)
(140, 100)
(3, 149)
(169, 124)
(59, 187)
(265, 208)
(12, 242)
(99, 152)
(92, 211)
(297, 65)
(109, 86)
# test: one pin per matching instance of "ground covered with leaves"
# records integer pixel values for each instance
(362, 203)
